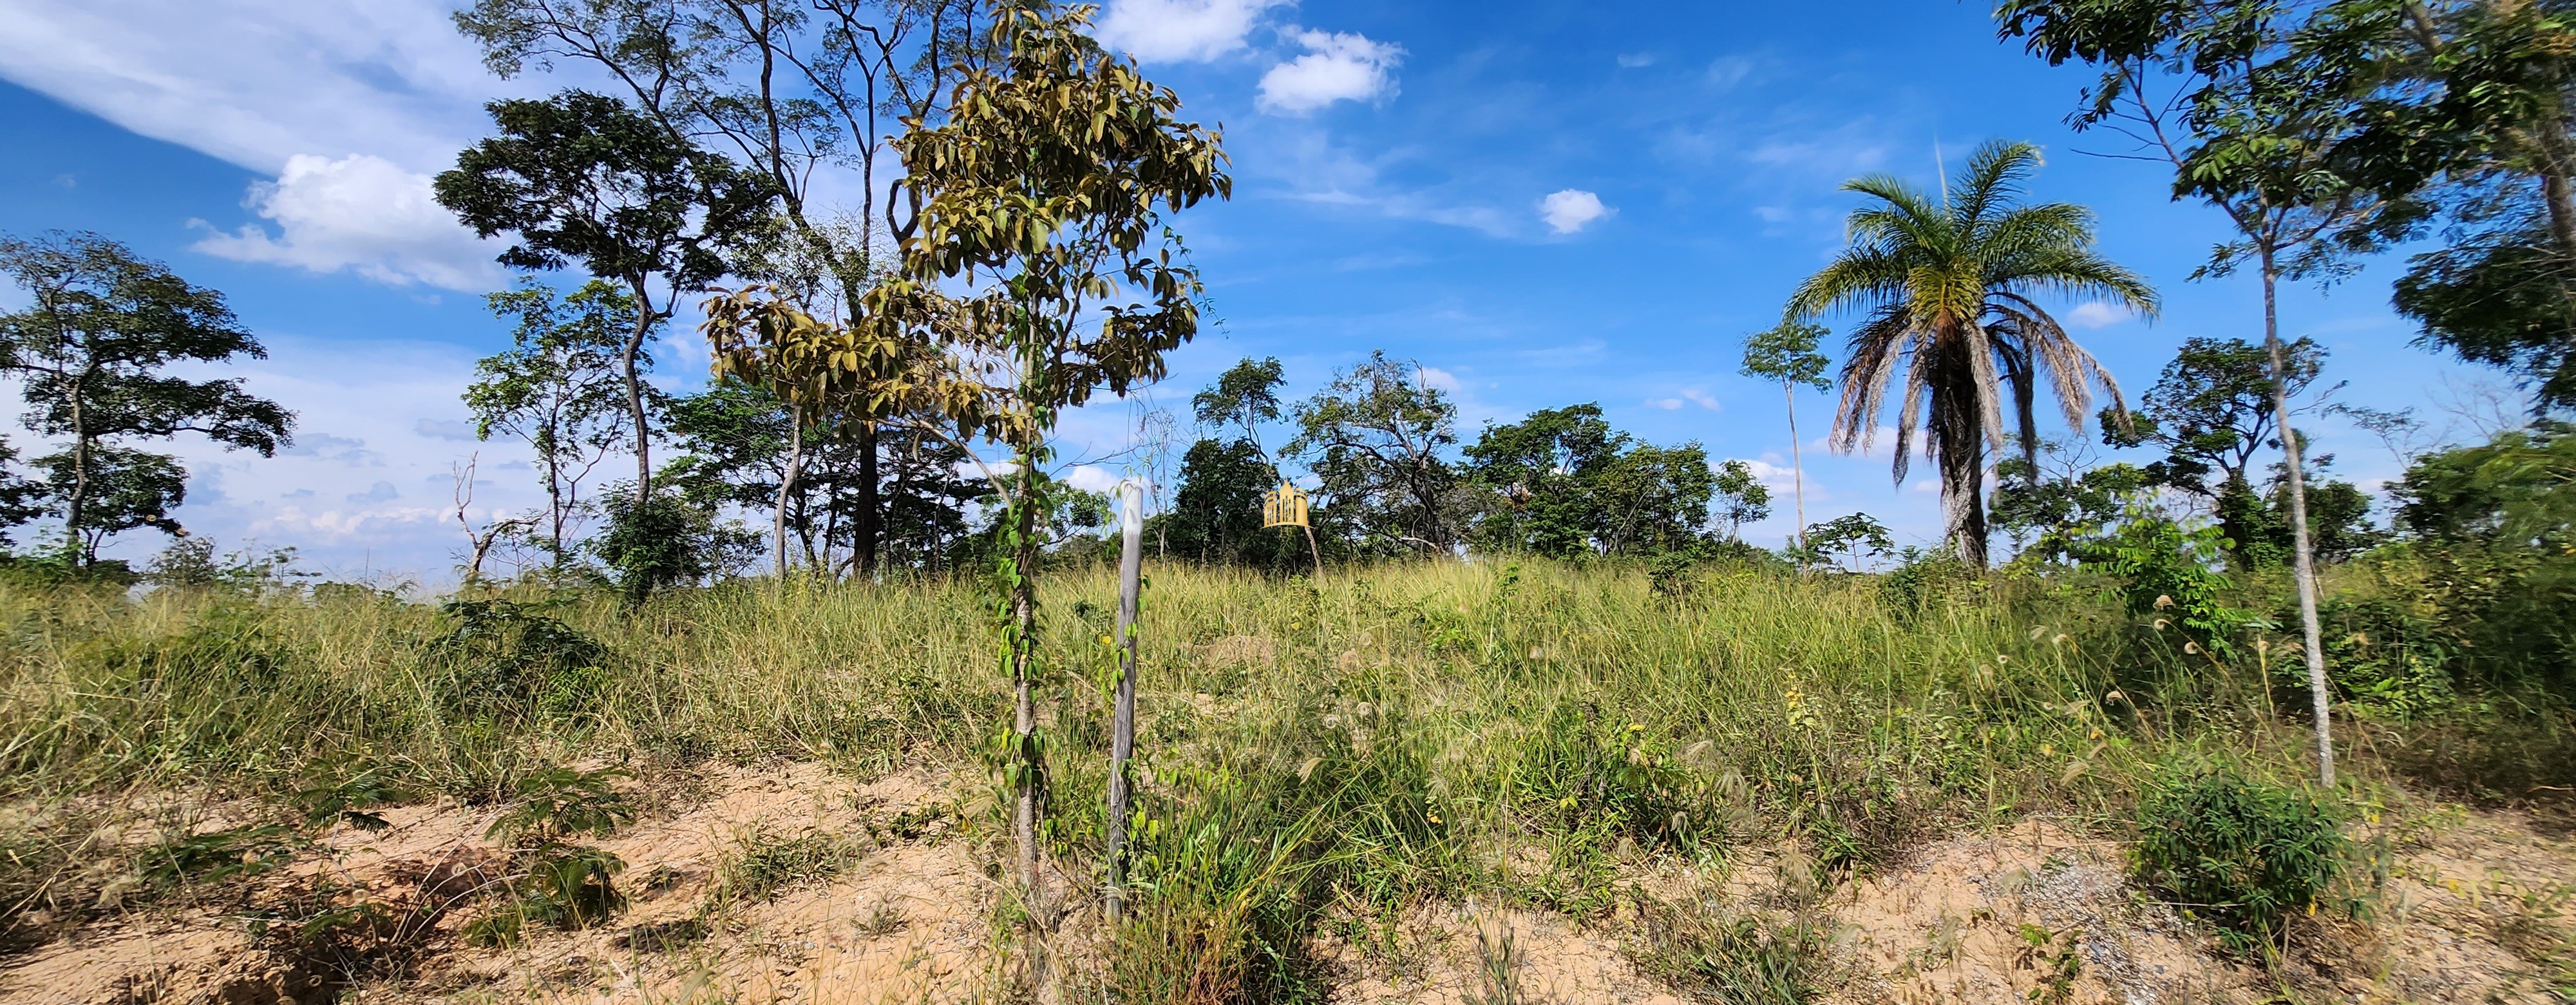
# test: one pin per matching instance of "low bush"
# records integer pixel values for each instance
(2240, 853)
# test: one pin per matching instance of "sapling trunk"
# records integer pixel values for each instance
(1122, 740)
(2303, 556)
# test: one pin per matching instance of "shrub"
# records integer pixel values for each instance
(499, 652)
(2240, 853)
(2170, 572)
(2386, 659)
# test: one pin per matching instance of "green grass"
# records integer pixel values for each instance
(1309, 753)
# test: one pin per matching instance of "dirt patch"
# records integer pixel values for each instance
(2472, 907)
(2029, 914)
(907, 919)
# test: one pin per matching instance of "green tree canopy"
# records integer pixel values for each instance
(580, 178)
(1245, 395)
(1376, 439)
(92, 349)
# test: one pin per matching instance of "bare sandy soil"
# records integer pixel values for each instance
(2472, 907)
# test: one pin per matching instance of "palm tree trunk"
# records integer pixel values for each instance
(2303, 558)
(1961, 453)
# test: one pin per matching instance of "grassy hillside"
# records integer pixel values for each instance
(1312, 752)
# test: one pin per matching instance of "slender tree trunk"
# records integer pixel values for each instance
(787, 482)
(626, 367)
(2303, 558)
(1122, 742)
(1797, 469)
(74, 545)
(1021, 635)
(866, 527)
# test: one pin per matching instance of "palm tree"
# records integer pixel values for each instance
(1947, 289)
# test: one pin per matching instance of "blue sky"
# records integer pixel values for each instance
(1542, 203)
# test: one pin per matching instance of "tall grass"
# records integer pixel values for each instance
(1310, 752)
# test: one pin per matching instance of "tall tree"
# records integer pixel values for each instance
(1947, 286)
(1245, 395)
(737, 443)
(582, 178)
(557, 389)
(2210, 411)
(1546, 473)
(1055, 176)
(1374, 439)
(2223, 91)
(1216, 515)
(1741, 498)
(802, 93)
(1786, 353)
(92, 349)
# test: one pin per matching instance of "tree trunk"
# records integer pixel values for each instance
(866, 527)
(1797, 470)
(635, 391)
(1961, 454)
(74, 547)
(1020, 634)
(2302, 556)
(1122, 741)
(787, 482)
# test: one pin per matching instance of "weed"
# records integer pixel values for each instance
(351, 800)
(557, 803)
(500, 655)
(762, 863)
(556, 882)
(2059, 958)
(1747, 958)
(1498, 967)
(220, 855)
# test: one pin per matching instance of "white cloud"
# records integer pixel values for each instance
(360, 213)
(2095, 314)
(1635, 60)
(1700, 398)
(1667, 404)
(255, 82)
(1439, 379)
(1180, 30)
(1571, 210)
(1337, 66)
(1091, 478)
